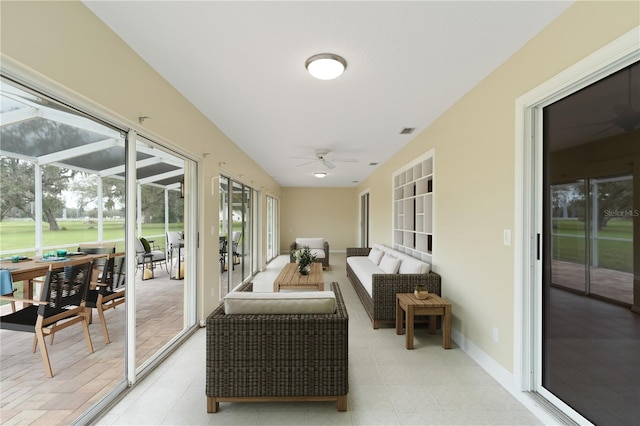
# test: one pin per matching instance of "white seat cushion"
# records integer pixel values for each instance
(364, 270)
(299, 302)
(319, 253)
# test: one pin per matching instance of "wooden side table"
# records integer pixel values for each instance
(412, 306)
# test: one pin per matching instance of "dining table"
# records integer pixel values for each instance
(27, 269)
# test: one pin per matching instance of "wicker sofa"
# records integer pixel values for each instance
(276, 357)
(380, 304)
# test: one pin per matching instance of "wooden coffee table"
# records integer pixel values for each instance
(290, 279)
(433, 305)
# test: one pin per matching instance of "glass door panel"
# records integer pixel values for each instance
(589, 345)
(163, 279)
(568, 232)
(611, 272)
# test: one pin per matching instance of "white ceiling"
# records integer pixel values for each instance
(243, 65)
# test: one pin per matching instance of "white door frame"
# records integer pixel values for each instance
(527, 337)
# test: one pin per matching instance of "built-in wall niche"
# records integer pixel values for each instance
(413, 208)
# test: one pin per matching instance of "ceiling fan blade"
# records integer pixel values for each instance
(305, 158)
(307, 163)
(328, 164)
(577, 126)
(344, 160)
(624, 111)
(599, 132)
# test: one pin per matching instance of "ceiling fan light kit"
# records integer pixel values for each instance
(326, 66)
(320, 175)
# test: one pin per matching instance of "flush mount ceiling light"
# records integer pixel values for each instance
(326, 66)
(320, 175)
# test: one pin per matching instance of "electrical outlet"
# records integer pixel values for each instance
(495, 334)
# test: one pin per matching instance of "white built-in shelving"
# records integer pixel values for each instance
(413, 208)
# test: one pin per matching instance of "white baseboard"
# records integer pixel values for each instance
(504, 377)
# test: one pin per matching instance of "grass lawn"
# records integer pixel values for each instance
(16, 235)
(612, 254)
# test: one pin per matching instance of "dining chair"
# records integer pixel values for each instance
(6, 286)
(234, 245)
(223, 252)
(110, 291)
(62, 304)
(98, 264)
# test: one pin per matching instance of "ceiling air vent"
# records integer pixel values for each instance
(407, 130)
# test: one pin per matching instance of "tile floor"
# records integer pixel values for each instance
(388, 385)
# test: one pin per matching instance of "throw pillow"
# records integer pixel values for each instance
(413, 266)
(145, 244)
(389, 264)
(375, 256)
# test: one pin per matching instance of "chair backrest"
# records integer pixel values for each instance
(99, 263)
(236, 240)
(173, 237)
(97, 249)
(139, 246)
(113, 275)
(65, 286)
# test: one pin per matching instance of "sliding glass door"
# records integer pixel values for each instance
(238, 233)
(72, 181)
(273, 241)
(164, 306)
(590, 179)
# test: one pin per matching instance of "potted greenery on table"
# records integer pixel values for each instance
(304, 258)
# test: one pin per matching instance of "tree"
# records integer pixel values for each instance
(614, 199)
(17, 184)
(17, 179)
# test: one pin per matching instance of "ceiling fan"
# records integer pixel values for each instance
(626, 117)
(321, 157)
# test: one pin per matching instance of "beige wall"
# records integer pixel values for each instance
(82, 59)
(474, 173)
(319, 212)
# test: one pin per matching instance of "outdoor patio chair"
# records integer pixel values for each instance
(6, 286)
(98, 264)
(110, 291)
(175, 245)
(62, 304)
(145, 256)
(234, 245)
(223, 252)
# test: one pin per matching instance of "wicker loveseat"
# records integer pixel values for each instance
(275, 357)
(380, 304)
(319, 247)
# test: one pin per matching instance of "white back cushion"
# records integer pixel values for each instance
(299, 302)
(410, 265)
(375, 256)
(314, 243)
(389, 264)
